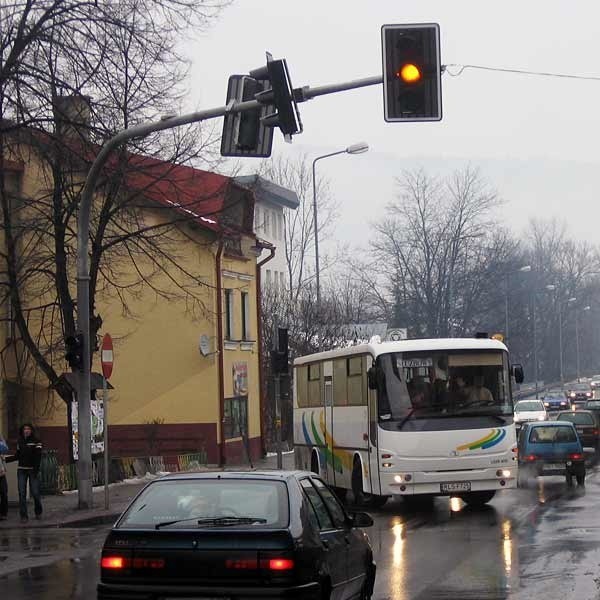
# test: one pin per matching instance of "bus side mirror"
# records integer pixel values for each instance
(517, 373)
(372, 378)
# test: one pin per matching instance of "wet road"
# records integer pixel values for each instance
(541, 542)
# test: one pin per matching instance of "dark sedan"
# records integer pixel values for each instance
(594, 407)
(579, 394)
(585, 424)
(232, 536)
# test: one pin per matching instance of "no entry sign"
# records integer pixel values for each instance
(106, 356)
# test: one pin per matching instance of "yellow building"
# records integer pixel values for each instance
(186, 374)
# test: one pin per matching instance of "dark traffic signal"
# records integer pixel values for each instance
(74, 351)
(412, 72)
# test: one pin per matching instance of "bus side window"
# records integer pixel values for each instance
(315, 395)
(340, 382)
(302, 386)
(355, 382)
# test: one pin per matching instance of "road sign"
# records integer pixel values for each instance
(106, 356)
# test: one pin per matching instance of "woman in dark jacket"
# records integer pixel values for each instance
(29, 455)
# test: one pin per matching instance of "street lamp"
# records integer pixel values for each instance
(358, 148)
(560, 343)
(585, 308)
(524, 269)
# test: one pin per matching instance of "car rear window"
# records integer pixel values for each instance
(171, 500)
(595, 404)
(578, 418)
(529, 405)
(552, 434)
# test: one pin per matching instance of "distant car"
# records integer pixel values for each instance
(594, 407)
(556, 400)
(551, 448)
(585, 424)
(529, 410)
(579, 394)
(226, 535)
(595, 382)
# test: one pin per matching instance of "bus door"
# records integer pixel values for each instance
(373, 442)
(327, 469)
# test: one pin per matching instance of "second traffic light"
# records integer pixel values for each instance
(74, 351)
(412, 72)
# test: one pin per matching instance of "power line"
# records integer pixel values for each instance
(461, 68)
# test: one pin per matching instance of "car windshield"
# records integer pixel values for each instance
(442, 383)
(552, 434)
(189, 500)
(529, 405)
(554, 396)
(578, 418)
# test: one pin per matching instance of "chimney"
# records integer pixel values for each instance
(72, 114)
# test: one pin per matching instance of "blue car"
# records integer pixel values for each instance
(551, 448)
(555, 400)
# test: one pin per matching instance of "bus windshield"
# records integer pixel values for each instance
(443, 383)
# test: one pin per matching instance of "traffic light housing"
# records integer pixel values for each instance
(74, 351)
(412, 72)
(280, 352)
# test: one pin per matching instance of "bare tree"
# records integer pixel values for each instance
(124, 55)
(296, 175)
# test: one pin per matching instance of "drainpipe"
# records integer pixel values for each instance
(220, 353)
(259, 341)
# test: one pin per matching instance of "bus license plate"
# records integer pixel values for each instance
(459, 486)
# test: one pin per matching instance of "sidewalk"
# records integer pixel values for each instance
(61, 510)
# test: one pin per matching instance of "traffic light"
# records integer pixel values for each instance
(280, 353)
(280, 95)
(74, 351)
(412, 72)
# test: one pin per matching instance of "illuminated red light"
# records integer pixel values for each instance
(281, 564)
(576, 456)
(113, 562)
(531, 457)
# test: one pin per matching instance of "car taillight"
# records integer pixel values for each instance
(576, 456)
(596, 431)
(280, 564)
(114, 562)
(531, 457)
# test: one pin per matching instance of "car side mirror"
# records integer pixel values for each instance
(361, 519)
(517, 373)
(372, 378)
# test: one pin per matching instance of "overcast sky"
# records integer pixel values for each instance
(536, 139)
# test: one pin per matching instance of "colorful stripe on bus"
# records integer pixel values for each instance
(494, 437)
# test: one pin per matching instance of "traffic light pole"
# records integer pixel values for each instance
(84, 464)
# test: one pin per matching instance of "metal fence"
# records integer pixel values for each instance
(56, 478)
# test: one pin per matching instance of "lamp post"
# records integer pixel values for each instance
(560, 342)
(585, 308)
(358, 148)
(524, 269)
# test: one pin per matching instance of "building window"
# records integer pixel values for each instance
(235, 417)
(245, 316)
(281, 281)
(267, 223)
(280, 222)
(228, 314)
(256, 218)
(268, 280)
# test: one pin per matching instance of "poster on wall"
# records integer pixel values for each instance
(240, 379)
(97, 417)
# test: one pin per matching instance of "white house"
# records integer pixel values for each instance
(272, 201)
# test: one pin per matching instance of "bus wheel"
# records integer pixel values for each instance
(478, 498)
(360, 497)
(314, 463)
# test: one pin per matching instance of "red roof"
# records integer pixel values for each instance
(199, 195)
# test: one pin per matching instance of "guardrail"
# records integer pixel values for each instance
(56, 478)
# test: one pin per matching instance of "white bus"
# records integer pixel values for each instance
(408, 418)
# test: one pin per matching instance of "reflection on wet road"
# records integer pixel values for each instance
(537, 543)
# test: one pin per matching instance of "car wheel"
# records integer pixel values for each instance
(581, 479)
(569, 480)
(478, 498)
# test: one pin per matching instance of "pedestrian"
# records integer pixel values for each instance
(29, 455)
(3, 484)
